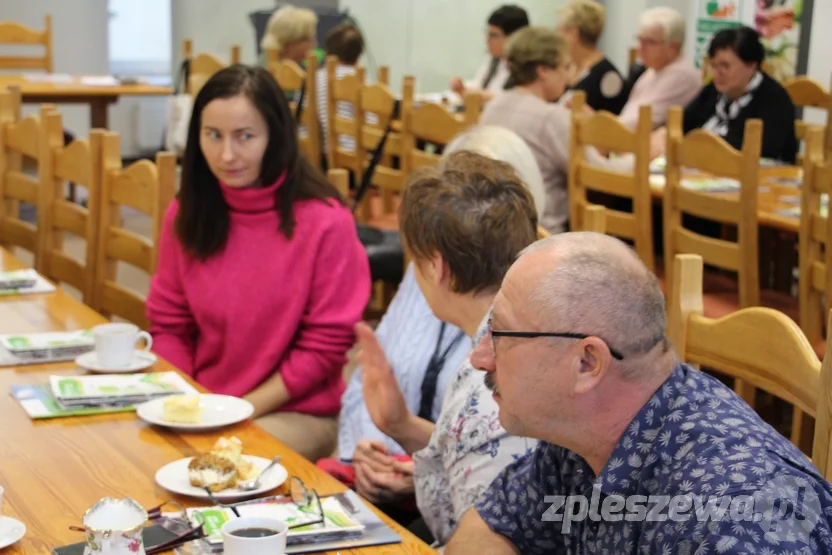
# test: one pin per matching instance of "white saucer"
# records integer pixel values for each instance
(11, 531)
(217, 411)
(174, 478)
(141, 360)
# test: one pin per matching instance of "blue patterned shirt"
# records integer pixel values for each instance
(696, 472)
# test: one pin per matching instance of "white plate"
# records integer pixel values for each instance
(174, 478)
(141, 360)
(217, 411)
(11, 531)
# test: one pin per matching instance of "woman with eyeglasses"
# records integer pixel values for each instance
(494, 75)
(741, 91)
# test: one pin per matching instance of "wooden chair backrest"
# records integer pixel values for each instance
(603, 131)
(632, 58)
(80, 163)
(341, 180)
(13, 33)
(203, 66)
(756, 345)
(815, 284)
(709, 154)
(291, 79)
(144, 186)
(434, 124)
(595, 218)
(822, 443)
(377, 104)
(344, 118)
(383, 75)
(805, 92)
(19, 138)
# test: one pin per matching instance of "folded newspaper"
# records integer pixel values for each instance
(106, 388)
(39, 348)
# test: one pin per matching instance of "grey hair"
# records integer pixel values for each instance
(598, 286)
(668, 20)
(504, 145)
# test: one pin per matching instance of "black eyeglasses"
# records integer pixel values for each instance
(307, 501)
(534, 334)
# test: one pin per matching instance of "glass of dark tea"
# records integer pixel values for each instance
(249, 535)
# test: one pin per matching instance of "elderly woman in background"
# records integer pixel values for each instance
(424, 354)
(493, 76)
(537, 58)
(741, 91)
(670, 79)
(292, 32)
(581, 23)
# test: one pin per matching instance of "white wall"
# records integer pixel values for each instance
(433, 40)
(79, 35)
(216, 25)
(820, 61)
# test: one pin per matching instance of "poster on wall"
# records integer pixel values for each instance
(712, 16)
(783, 25)
(779, 23)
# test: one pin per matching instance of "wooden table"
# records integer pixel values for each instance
(97, 97)
(772, 198)
(54, 470)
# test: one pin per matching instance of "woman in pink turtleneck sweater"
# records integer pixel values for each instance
(261, 275)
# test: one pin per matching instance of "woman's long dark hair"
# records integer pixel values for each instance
(203, 220)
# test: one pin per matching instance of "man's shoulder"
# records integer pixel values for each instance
(711, 441)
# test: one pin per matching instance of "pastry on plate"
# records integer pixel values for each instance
(232, 449)
(182, 409)
(212, 470)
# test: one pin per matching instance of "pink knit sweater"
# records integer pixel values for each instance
(265, 303)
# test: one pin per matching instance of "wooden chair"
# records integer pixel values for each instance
(19, 139)
(203, 65)
(383, 75)
(706, 153)
(343, 128)
(815, 284)
(12, 33)
(436, 125)
(377, 105)
(292, 79)
(79, 162)
(144, 186)
(341, 180)
(822, 437)
(603, 131)
(632, 58)
(595, 218)
(808, 93)
(757, 345)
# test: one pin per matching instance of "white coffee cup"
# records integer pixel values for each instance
(274, 544)
(115, 344)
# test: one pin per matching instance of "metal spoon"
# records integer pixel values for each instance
(254, 483)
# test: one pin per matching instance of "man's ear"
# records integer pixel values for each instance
(596, 360)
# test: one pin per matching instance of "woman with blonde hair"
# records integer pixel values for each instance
(292, 32)
(581, 23)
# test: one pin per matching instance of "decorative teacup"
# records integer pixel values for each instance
(114, 527)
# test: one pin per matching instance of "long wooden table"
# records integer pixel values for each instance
(54, 470)
(98, 97)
